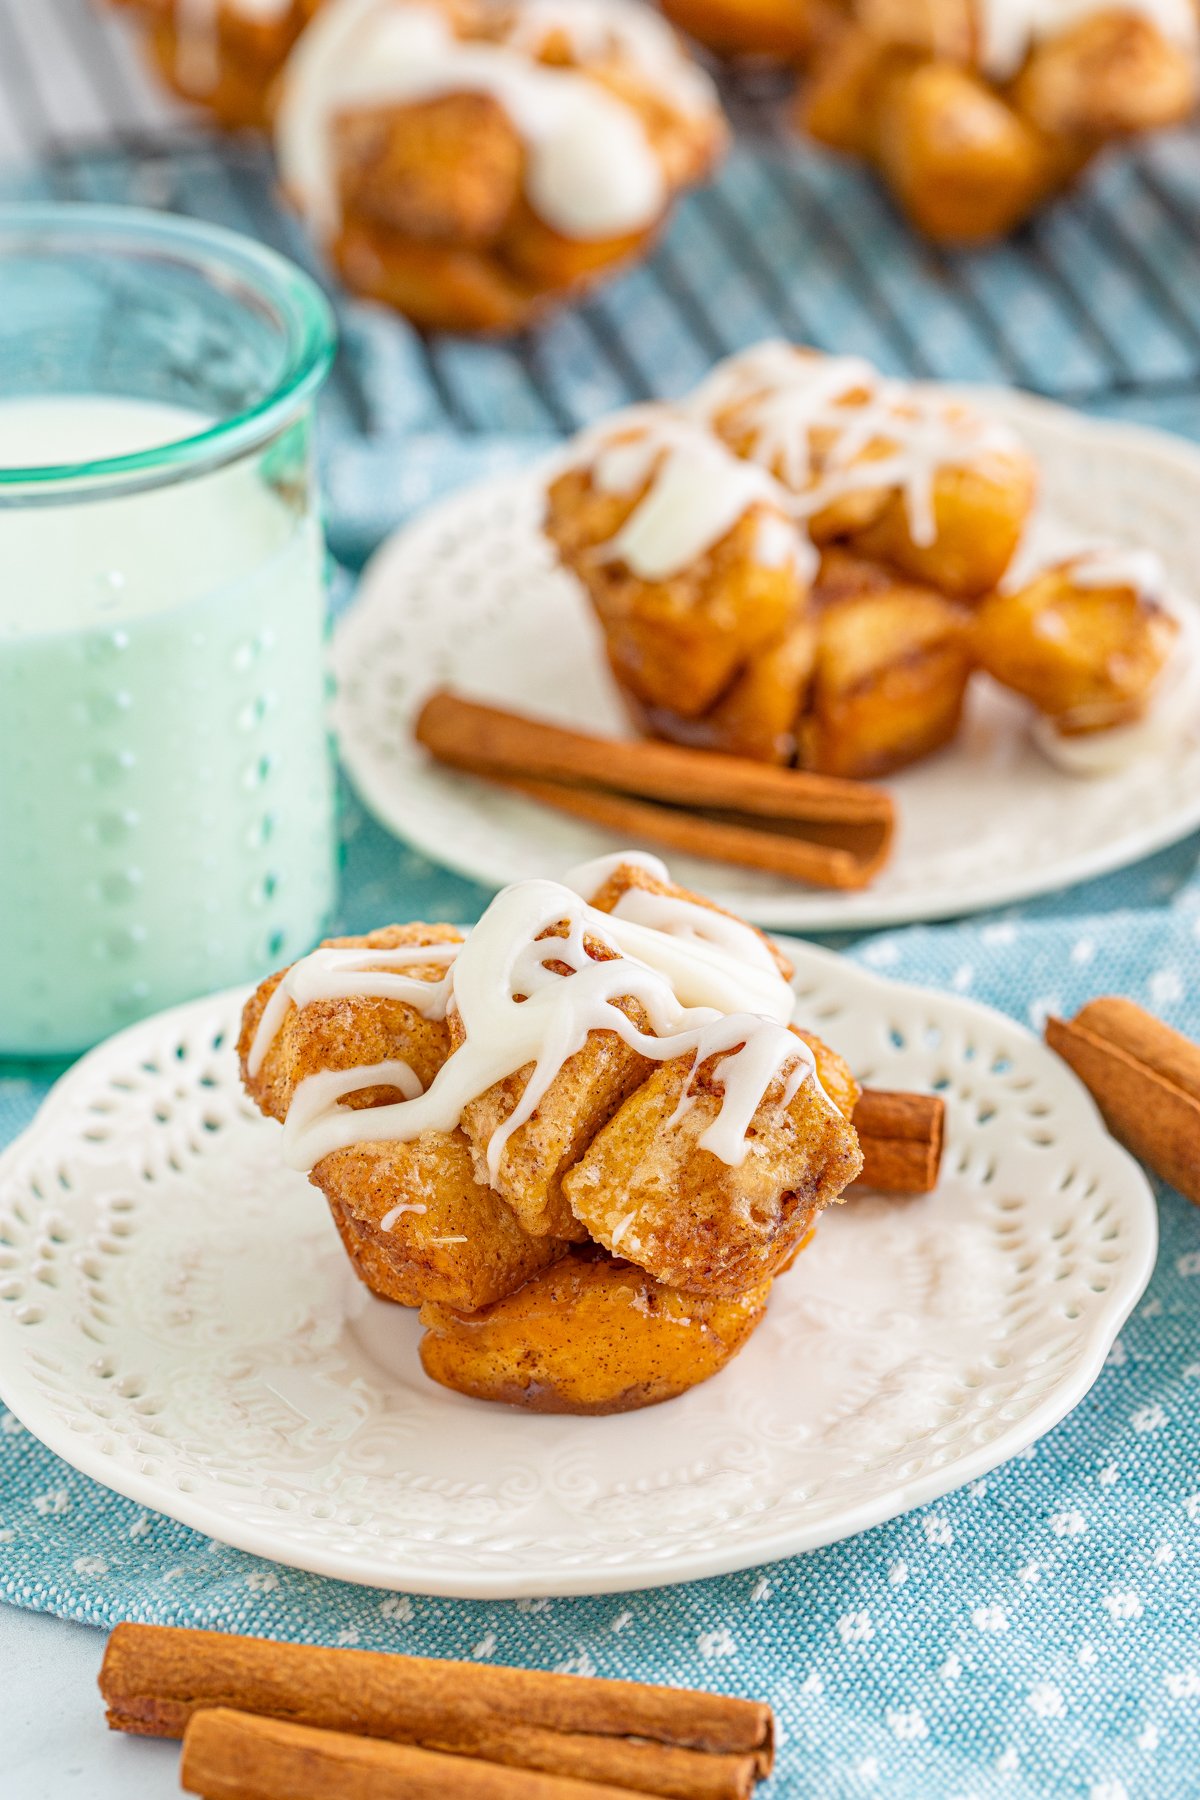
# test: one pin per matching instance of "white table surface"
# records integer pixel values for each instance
(54, 1743)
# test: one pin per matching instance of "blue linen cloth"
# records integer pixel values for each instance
(1038, 1632)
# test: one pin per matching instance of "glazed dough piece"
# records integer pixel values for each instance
(467, 161)
(894, 472)
(591, 1335)
(1085, 643)
(351, 1030)
(976, 111)
(414, 1219)
(1107, 75)
(686, 552)
(583, 1096)
(649, 1192)
(224, 55)
(964, 165)
(418, 1226)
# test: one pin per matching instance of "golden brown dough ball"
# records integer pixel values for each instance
(891, 676)
(1086, 656)
(590, 1335)
(648, 1191)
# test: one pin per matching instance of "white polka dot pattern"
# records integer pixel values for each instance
(141, 1339)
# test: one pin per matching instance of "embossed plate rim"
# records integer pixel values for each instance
(19, 1389)
(382, 786)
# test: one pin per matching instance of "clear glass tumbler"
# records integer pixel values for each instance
(166, 794)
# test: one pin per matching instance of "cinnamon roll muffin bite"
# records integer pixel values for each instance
(782, 564)
(414, 1220)
(686, 550)
(470, 161)
(224, 55)
(976, 111)
(583, 1138)
(806, 562)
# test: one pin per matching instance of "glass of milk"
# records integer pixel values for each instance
(166, 800)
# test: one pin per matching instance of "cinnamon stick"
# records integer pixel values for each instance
(155, 1677)
(902, 1137)
(236, 1756)
(720, 837)
(1144, 1077)
(814, 828)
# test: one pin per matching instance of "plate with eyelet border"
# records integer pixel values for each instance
(470, 596)
(291, 1417)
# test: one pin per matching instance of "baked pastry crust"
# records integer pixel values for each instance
(1088, 653)
(494, 1211)
(647, 1189)
(454, 1241)
(972, 128)
(591, 1335)
(844, 648)
(511, 151)
(414, 1219)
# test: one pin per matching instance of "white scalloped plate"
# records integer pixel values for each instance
(470, 595)
(177, 1319)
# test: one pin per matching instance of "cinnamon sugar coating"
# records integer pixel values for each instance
(521, 1300)
(647, 1190)
(591, 1335)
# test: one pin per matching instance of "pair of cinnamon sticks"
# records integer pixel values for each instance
(814, 828)
(280, 1721)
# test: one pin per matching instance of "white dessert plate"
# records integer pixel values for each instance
(178, 1320)
(470, 596)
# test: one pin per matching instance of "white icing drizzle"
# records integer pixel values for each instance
(813, 419)
(591, 171)
(698, 491)
(355, 971)
(708, 987)
(1009, 29)
(587, 878)
(323, 1093)
(695, 924)
(390, 1218)
(818, 428)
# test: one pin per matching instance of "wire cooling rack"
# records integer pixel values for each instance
(1097, 301)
